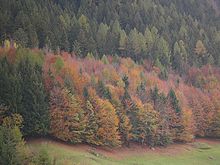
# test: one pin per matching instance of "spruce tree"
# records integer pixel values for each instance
(34, 99)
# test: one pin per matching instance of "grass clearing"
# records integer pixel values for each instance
(198, 153)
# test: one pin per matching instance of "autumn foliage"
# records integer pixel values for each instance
(114, 101)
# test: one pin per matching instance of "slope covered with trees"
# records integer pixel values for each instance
(107, 73)
(170, 33)
(109, 101)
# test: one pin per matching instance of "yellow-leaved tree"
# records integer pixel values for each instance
(108, 123)
(66, 116)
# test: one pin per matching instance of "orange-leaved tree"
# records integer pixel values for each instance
(66, 116)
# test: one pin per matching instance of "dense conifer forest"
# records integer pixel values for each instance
(170, 33)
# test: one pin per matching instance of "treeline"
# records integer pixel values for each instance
(110, 101)
(175, 33)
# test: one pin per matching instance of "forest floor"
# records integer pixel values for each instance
(200, 152)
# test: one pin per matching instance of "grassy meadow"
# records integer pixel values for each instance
(198, 153)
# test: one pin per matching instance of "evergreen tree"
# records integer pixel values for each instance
(103, 91)
(123, 39)
(174, 101)
(21, 37)
(163, 52)
(141, 91)
(104, 59)
(34, 99)
(101, 37)
(10, 87)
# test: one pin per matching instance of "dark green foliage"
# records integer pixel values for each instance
(174, 101)
(10, 88)
(85, 93)
(21, 37)
(132, 113)
(139, 29)
(155, 96)
(141, 91)
(126, 93)
(23, 91)
(34, 99)
(103, 91)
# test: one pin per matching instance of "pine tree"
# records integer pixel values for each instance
(10, 88)
(34, 99)
(141, 91)
(149, 40)
(174, 101)
(103, 91)
(123, 40)
(163, 52)
(101, 37)
(104, 59)
(175, 117)
(125, 127)
(21, 37)
(84, 23)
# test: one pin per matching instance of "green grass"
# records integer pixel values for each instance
(196, 156)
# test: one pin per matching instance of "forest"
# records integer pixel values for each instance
(164, 32)
(107, 73)
(109, 101)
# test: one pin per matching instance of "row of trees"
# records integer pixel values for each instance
(171, 34)
(108, 102)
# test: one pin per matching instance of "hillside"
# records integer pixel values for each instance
(109, 74)
(169, 33)
(110, 101)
